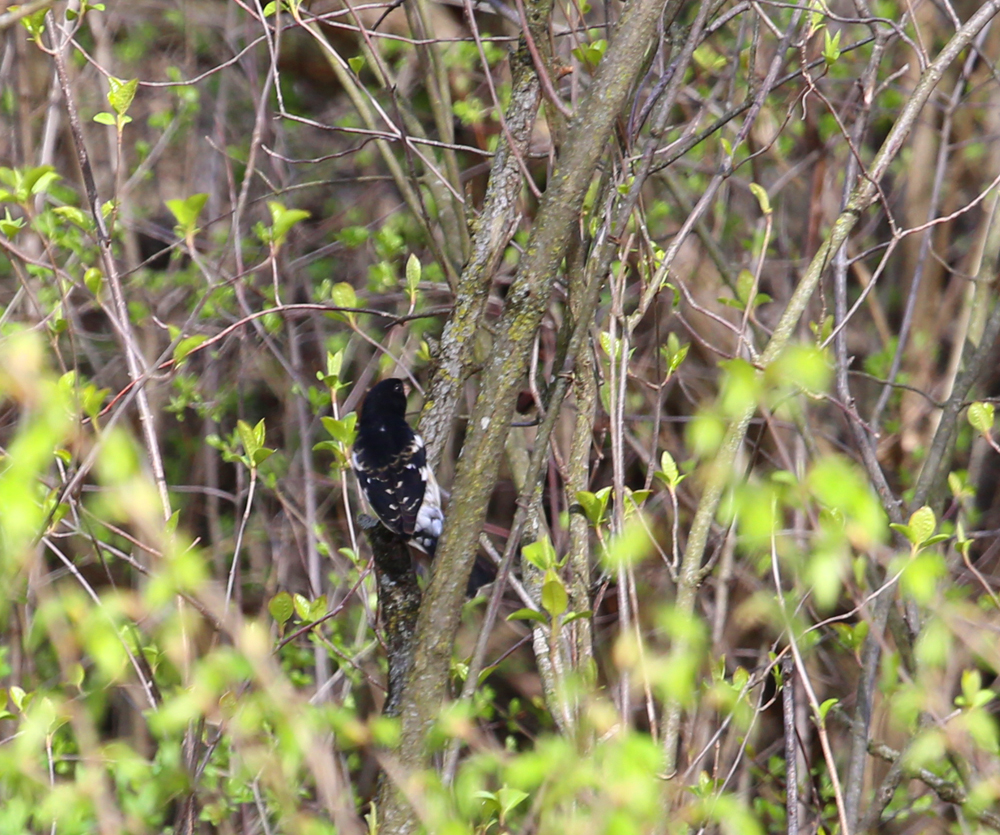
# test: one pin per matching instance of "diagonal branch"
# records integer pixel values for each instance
(526, 302)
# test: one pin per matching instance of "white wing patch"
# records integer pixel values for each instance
(430, 519)
(402, 492)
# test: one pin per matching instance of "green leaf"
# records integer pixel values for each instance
(972, 682)
(824, 709)
(674, 353)
(35, 24)
(540, 553)
(555, 600)
(343, 295)
(668, 466)
(628, 547)
(905, 531)
(611, 344)
(922, 575)
(800, 366)
(247, 438)
(121, 94)
(186, 346)
(509, 799)
(17, 696)
(959, 487)
(745, 284)
(9, 226)
(634, 500)
(760, 193)
(980, 417)
(342, 430)
(317, 608)
(261, 455)
(413, 274)
(302, 606)
(741, 386)
(983, 698)
(591, 53)
(39, 180)
(831, 47)
(852, 636)
(357, 63)
(73, 214)
(491, 805)
(92, 399)
(281, 607)
(58, 323)
(668, 472)
(283, 220)
(334, 362)
(186, 212)
(105, 118)
(922, 523)
(815, 18)
(594, 505)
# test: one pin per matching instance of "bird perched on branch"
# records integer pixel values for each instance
(391, 465)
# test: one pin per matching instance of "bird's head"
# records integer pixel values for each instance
(385, 398)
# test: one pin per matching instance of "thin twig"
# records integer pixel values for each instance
(120, 319)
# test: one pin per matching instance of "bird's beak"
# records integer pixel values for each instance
(407, 387)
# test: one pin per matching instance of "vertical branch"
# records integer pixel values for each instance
(529, 525)
(527, 300)
(399, 601)
(439, 87)
(495, 225)
(314, 564)
(791, 745)
(818, 717)
(871, 651)
(578, 475)
(617, 378)
(235, 565)
(120, 319)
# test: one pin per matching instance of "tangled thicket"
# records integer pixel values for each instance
(699, 300)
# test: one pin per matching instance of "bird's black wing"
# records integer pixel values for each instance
(394, 489)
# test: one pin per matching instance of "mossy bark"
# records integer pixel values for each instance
(478, 464)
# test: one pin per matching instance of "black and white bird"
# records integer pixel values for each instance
(390, 462)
